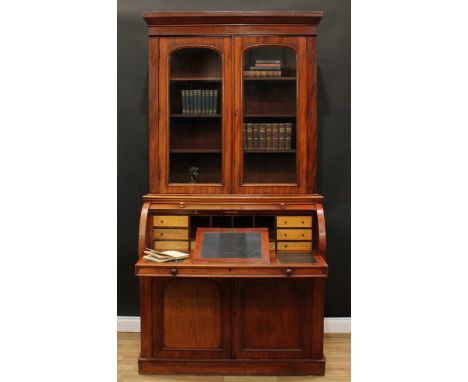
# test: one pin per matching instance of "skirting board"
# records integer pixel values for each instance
(332, 324)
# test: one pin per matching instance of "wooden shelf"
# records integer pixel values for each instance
(268, 151)
(269, 78)
(195, 115)
(269, 115)
(195, 151)
(196, 79)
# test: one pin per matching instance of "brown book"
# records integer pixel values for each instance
(250, 136)
(281, 136)
(245, 136)
(262, 136)
(255, 136)
(269, 136)
(288, 136)
(274, 133)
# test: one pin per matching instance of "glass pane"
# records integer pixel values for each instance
(269, 81)
(195, 116)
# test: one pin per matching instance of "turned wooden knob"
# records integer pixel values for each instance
(181, 205)
(282, 205)
(174, 271)
(288, 272)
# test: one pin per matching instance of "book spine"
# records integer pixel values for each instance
(250, 144)
(202, 101)
(262, 68)
(281, 136)
(269, 136)
(262, 136)
(184, 102)
(245, 136)
(212, 111)
(260, 62)
(198, 96)
(274, 134)
(190, 101)
(215, 108)
(288, 136)
(255, 136)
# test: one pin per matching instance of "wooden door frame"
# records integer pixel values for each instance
(167, 45)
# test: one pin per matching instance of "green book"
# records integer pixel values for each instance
(215, 108)
(184, 102)
(262, 136)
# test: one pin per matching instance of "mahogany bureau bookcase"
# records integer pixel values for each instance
(232, 144)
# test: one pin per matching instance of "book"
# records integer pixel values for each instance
(267, 62)
(259, 68)
(202, 102)
(262, 73)
(164, 256)
(255, 136)
(215, 102)
(245, 136)
(274, 134)
(198, 101)
(212, 108)
(281, 136)
(190, 101)
(250, 144)
(269, 136)
(262, 136)
(184, 102)
(288, 136)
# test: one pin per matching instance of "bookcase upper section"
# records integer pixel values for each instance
(219, 23)
(232, 102)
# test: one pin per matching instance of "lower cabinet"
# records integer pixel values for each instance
(198, 318)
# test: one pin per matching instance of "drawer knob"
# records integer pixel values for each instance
(181, 205)
(174, 271)
(282, 205)
(288, 272)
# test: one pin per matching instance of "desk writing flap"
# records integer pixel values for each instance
(245, 245)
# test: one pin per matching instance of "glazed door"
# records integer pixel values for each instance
(270, 115)
(195, 115)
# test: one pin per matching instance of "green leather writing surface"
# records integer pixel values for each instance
(228, 245)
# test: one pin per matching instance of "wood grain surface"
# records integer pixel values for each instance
(337, 349)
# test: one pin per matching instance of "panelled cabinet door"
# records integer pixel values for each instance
(195, 115)
(270, 114)
(191, 318)
(272, 319)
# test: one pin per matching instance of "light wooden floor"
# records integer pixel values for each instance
(337, 352)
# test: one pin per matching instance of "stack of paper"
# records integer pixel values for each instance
(162, 257)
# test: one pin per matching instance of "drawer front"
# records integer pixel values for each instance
(294, 234)
(170, 221)
(171, 245)
(294, 246)
(170, 234)
(294, 221)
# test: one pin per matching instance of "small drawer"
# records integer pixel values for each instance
(294, 221)
(170, 221)
(170, 234)
(294, 246)
(192, 245)
(272, 246)
(294, 234)
(171, 245)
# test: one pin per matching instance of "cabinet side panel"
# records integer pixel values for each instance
(153, 113)
(311, 117)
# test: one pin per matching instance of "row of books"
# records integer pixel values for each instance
(264, 68)
(268, 136)
(199, 101)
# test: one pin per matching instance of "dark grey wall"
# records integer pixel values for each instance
(334, 146)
